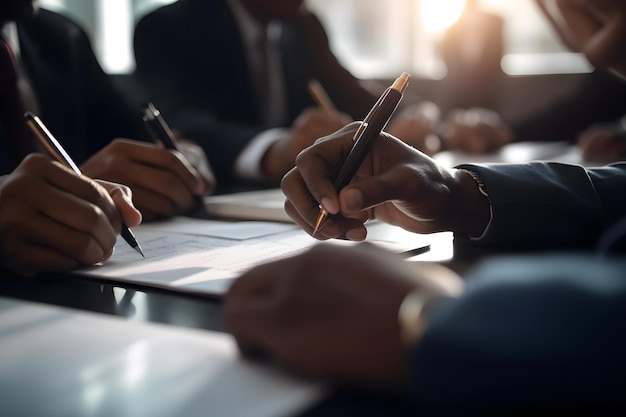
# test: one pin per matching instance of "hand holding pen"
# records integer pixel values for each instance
(56, 151)
(193, 155)
(395, 183)
(370, 128)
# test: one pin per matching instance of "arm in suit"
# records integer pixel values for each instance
(191, 62)
(530, 332)
(307, 55)
(192, 59)
(548, 204)
(78, 100)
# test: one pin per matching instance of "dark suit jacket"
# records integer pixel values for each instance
(77, 100)
(192, 62)
(537, 332)
(549, 204)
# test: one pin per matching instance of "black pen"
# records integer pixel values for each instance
(54, 148)
(160, 132)
(158, 128)
(370, 128)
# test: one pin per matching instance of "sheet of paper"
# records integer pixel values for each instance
(220, 229)
(196, 262)
(59, 362)
(250, 205)
(183, 254)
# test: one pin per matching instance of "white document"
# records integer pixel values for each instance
(249, 205)
(204, 256)
(59, 362)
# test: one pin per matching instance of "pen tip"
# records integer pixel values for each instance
(139, 250)
(320, 221)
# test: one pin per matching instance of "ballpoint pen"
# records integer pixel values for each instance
(368, 131)
(54, 148)
(158, 128)
(160, 131)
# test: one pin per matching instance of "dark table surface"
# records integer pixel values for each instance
(189, 310)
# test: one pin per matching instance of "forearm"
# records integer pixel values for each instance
(529, 332)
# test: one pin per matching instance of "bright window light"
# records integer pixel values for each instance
(115, 20)
(438, 15)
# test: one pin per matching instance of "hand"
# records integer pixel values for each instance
(604, 145)
(417, 126)
(594, 27)
(53, 220)
(332, 312)
(198, 159)
(312, 124)
(476, 131)
(395, 183)
(164, 184)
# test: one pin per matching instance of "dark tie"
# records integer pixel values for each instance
(20, 140)
(268, 77)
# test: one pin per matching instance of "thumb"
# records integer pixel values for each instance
(122, 197)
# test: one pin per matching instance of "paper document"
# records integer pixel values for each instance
(249, 205)
(204, 256)
(60, 362)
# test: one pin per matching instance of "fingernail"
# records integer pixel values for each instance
(330, 205)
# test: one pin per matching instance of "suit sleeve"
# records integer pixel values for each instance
(548, 204)
(529, 333)
(346, 91)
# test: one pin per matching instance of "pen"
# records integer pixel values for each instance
(54, 148)
(160, 132)
(368, 131)
(320, 96)
(158, 128)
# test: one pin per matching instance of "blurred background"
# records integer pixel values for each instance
(511, 59)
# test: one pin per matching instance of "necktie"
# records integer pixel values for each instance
(19, 139)
(268, 77)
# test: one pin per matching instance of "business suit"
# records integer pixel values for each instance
(76, 99)
(549, 204)
(192, 61)
(537, 333)
(547, 330)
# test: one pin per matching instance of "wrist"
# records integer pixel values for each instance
(273, 165)
(471, 206)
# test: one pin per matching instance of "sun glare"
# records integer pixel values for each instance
(438, 15)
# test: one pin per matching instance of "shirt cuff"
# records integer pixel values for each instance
(481, 188)
(248, 163)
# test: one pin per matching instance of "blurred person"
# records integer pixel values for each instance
(49, 68)
(472, 49)
(232, 76)
(599, 102)
(535, 333)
